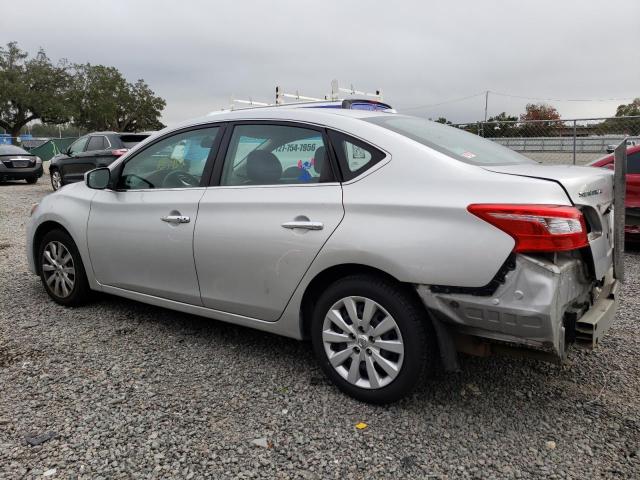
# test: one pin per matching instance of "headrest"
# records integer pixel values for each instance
(207, 141)
(263, 167)
(320, 159)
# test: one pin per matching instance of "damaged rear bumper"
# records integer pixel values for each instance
(542, 305)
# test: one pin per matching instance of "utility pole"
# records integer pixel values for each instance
(486, 104)
(486, 107)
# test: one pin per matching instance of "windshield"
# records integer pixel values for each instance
(456, 143)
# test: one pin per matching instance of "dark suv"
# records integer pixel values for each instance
(94, 150)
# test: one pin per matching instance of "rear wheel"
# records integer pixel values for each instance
(56, 178)
(61, 269)
(372, 338)
(31, 180)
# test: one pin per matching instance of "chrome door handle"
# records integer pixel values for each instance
(307, 225)
(175, 219)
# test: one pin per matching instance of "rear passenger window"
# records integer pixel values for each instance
(276, 154)
(354, 156)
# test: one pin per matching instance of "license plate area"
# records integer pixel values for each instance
(20, 163)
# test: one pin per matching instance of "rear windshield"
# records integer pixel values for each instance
(128, 141)
(12, 150)
(452, 141)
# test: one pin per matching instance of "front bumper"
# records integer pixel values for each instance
(20, 173)
(542, 305)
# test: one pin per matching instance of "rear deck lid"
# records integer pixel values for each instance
(585, 187)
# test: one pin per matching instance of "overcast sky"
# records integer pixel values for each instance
(197, 54)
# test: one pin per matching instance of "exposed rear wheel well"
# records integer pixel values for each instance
(325, 278)
(41, 231)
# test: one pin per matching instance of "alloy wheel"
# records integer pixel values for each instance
(58, 269)
(363, 342)
(56, 179)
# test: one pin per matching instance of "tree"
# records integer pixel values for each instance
(535, 112)
(443, 121)
(31, 88)
(106, 101)
(502, 125)
(623, 126)
(539, 111)
(144, 110)
(632, 109)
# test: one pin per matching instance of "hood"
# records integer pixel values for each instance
(584, 185)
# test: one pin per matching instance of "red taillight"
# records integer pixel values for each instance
(118, 152)
(537, 228)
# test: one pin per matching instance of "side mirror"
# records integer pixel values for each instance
(98, 179)
(68, 152)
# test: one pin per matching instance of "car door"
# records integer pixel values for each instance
(98, 153)
(276, 202)
(73, 167)
(140, 232)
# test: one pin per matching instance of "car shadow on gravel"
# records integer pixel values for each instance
(140, 315)
(481, 382)
(632, 248)
(511, 385)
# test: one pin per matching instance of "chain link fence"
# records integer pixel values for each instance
(576, 141)
(25, 141)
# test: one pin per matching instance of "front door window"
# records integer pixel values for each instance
(177, 161)
(78, 146)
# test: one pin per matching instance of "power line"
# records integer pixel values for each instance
(442, 103)
(422, 107)
(562, 100)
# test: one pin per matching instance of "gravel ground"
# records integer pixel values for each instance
(130, 390)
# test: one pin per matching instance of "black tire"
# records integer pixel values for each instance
(31, 180)
(80, 293)
(418, 336)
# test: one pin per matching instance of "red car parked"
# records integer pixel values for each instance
(632, 202)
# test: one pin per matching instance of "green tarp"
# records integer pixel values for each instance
(52, 147)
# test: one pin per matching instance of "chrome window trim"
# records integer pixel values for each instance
(284, 185)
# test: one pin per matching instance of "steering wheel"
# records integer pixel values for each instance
(138, 177)
(179, 178)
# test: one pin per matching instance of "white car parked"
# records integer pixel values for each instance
(388, 240)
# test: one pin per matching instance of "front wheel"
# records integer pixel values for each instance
(61, 269)
(56, 179)
(372, 338)
(32, 180)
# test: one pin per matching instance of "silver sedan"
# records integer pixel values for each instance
(391, 242)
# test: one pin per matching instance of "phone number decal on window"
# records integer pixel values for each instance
(297, 147)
